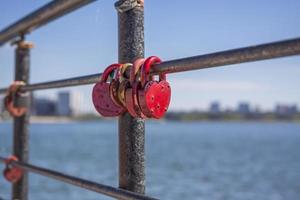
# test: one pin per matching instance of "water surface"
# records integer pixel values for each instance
(195, 160)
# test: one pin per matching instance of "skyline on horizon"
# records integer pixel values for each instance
(87, 106)
(84, 42)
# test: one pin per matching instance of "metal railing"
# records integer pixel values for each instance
(86, 184)
(42, 16)
(235, 56)
(131, 130)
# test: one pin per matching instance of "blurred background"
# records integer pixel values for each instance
(233, 130)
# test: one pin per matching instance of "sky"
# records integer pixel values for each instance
(85, 42)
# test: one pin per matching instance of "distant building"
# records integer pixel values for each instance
(63, 104)
(294, 109)
(1, 103)
(70, 103)
(243, 108)
(215, 108)
(285, 110)
(43, 107)
(228, 110)
(257, 109)
(77, 103)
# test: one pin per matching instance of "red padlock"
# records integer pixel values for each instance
(118, 82)
(154, 96)
(101, 94)
(8, 100)
(11, 173)
(131, 98)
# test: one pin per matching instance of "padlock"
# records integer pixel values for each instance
(124, 84)
(154, 96)
(136, 84)
(115, 84)
(11, 173)
(113, 89)
(121, 91)
(131, 98)
(21, 99)
(14, 110)
(102, 100)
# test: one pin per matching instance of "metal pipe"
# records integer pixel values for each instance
(20, 137)
(82, 80)
(247, 54)
(42, 16)
(131, 130)
(86, 184)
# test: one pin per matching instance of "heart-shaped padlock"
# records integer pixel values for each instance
(154, 96)
(131, 97)
(11, 173)
(101, 94)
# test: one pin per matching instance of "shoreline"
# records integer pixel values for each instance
(63, 120)
(50, 120)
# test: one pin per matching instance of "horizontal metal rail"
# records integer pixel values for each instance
(247, 54)
(89, 185)
(82, 80)
(42, 16)
(235, 56)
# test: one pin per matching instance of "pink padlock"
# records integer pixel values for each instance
(102, 100)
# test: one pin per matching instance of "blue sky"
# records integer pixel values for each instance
(85, 41)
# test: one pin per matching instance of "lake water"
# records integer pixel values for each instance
(194, 160)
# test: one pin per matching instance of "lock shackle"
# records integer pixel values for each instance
(10, 159)
(124, 68)
(149, 62)
(113, 67)
(14, 87)
(138, 63)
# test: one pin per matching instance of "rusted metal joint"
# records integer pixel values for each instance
(22, 44)
(25, 45)
(126, 5)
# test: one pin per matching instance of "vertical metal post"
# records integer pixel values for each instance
(20, 138)
(131, 130)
